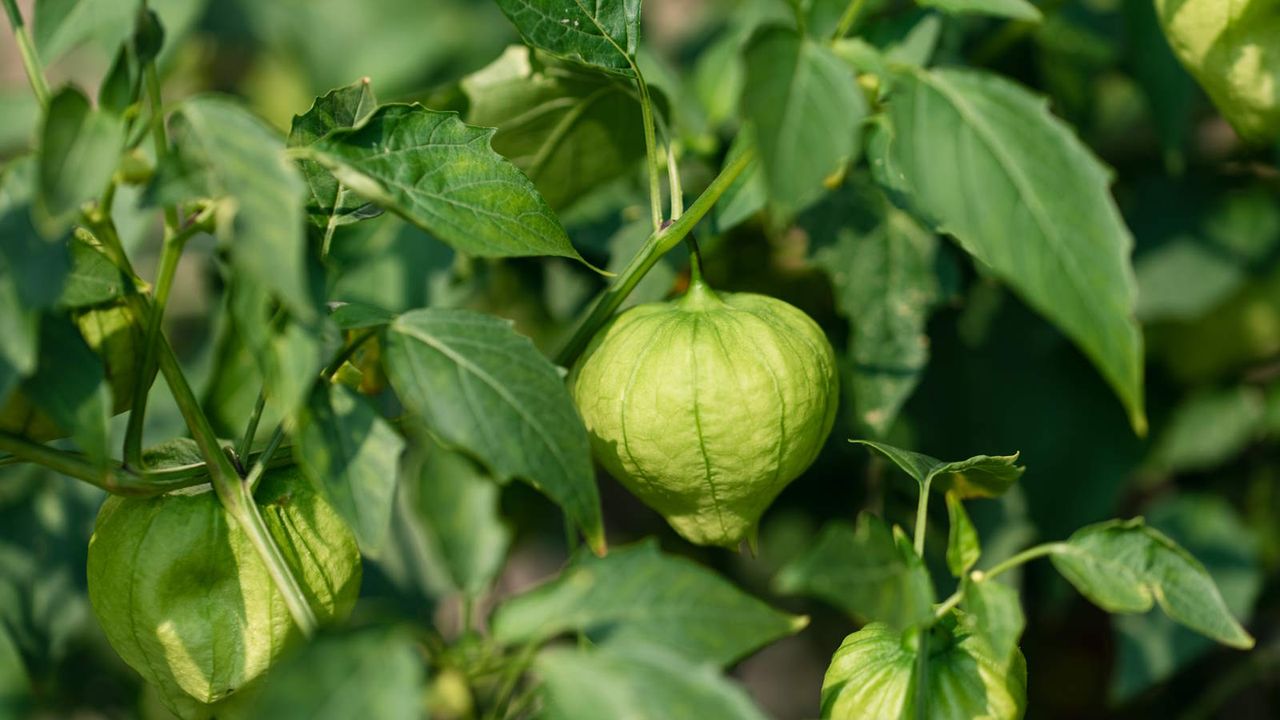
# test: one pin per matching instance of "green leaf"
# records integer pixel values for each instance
(1126, 566)
(1152, 647)
(863, 572)
(569, 130)
(874, 674)
(457, 506)
(60, 25)
(15, 687)
(351, 455)
(1209, 428)
(79, 150)
(963, 548)
(979, 476)
(370, 673)
(601, 34)
(285, 352)
(354, 316)
(1012, 9)
(227, 153)
(746, 195)
(996, 616)
(807, 111)
(34, 263)
(329, 203)
(886, 285)
(69, 385)
(93, 279)
(984, 161)
(636, 593)
(1183, 280)
(638, 682)
(443, 176)
(483, 388)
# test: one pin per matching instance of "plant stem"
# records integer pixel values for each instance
(651, 149)
(258, 468)
(850, 16)
(949, 604)
(233, 493)
(159, 135)
(922, 517)
(114, 479)
(27, 49)
(510, 680)
(1021, 558)
(922, 676)
(251, 430)
(658, 244)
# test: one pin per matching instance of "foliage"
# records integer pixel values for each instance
(291, 344)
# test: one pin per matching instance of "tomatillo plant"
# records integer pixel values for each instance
(367, 327)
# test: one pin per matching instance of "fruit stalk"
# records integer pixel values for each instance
(658, 244)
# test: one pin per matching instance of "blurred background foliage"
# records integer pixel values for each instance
(993, 376)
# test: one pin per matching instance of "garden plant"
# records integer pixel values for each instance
(691, 321)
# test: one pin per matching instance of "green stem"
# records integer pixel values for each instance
(922, 675)
(1021, 558)
(949, 604)
(658, 244)
(922, 518)
(27, 49)
(160, 136)
(510, 680)
(233, 493)
(259, 468)
(850, 16)
(251, 430)
(651, 150)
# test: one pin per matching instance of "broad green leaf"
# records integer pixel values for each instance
(1152, 647)
(285, 351)
(807, 111)
(34, 263)
(746, 195)
(1183, 280)
(375, 673)
(93, 279)
(351, 455)
(329, 203)
(984, 161)
(636, 593)
(227, 153)
(568, 129)
(79, 150)
(354, 316)
(603, 34)
(70, 386)
(443, 176)
(886, 285)
(963, 548)
(1209, 428)
(1012, 9)
(1126, 566)
(14, 684)
(637, 682)
(995, 612)
(60, 25)
(863, 572)
(979, 476)
(457, 506)
(875, 674)
(483, 388)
